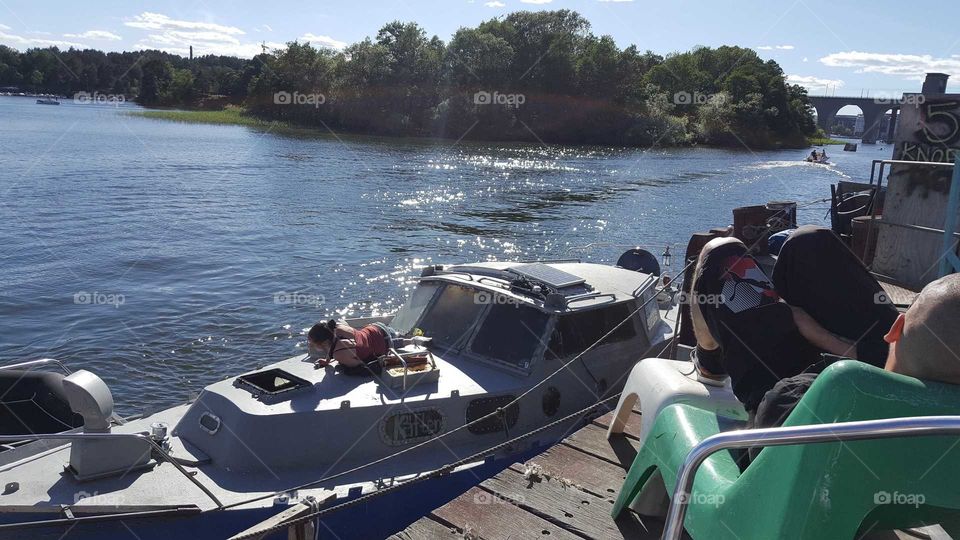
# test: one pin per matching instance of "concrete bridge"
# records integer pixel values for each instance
(873, 111)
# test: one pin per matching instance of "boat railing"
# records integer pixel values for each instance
(32, 364)
(919, 426)
(593, 295)
(142, 436)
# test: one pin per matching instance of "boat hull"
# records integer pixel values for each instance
(378, 517)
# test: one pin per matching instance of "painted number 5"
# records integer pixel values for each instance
(939, 124)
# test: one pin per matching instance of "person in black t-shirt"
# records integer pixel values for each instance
(758, 331)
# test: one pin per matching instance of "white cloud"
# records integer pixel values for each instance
(96, 35)
(805, 59)
(813, 83)
(263, 28)
(535, 1)
(908, 66)
(177, 36)
(495, 4)
(27, 42)
(324, 41)
(4, 27)
(615, 1)
(777, 47)
(157, 21)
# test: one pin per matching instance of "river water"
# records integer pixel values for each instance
(165, 256)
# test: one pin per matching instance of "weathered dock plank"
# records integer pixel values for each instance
(900, 296)
(580, 469)
(580, 512)
(592, 439)
(483, 514)
(427, 529)
(630, 429)
(568, 494)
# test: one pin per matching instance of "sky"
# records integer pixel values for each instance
(839, 47)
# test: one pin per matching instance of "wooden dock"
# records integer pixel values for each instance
(568, 495)
(570, 498)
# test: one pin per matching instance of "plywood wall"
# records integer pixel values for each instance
(928, 131)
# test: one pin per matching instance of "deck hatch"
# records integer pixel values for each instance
(271, 384)
(548, 275)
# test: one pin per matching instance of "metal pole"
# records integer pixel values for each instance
(949, 263)
(30, 364)
(783, 436)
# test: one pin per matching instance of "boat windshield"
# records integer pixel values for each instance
(511, 334)
(451, 318)
(406, 318)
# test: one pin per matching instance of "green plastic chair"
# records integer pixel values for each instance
(814, 491)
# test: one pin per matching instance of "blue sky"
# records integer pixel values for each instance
(838, 47)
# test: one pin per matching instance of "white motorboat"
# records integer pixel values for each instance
(514, 347)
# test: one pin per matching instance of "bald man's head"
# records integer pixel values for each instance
(929, 347)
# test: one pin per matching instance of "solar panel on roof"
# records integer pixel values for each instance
(548, 275)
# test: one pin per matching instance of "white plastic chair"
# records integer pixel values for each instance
(656, 383)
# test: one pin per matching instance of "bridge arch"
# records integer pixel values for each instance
(873, 112)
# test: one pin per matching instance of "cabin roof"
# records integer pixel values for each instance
(602, 284)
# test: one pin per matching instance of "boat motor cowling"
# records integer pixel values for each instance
(639, 260)
(89, 397)
(92, 458)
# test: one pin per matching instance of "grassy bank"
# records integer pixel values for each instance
(238, 116)
(823, 141)
(230, 116)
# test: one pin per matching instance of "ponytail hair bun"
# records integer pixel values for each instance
(322, 332)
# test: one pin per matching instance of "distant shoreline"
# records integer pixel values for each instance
(237, 116)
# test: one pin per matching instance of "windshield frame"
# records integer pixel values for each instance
(466, 351)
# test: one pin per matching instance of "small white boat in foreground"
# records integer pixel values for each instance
(502, 336)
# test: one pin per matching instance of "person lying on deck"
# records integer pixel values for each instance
(350, 347)
(760, 331)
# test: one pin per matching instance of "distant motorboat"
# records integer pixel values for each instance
(48, 101)
(819, 158)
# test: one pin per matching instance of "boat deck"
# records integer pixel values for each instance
(566, 492)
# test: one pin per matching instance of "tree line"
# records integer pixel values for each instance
(528, 76)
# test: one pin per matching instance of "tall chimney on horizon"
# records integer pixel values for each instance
(935, 83)
(191, 53)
